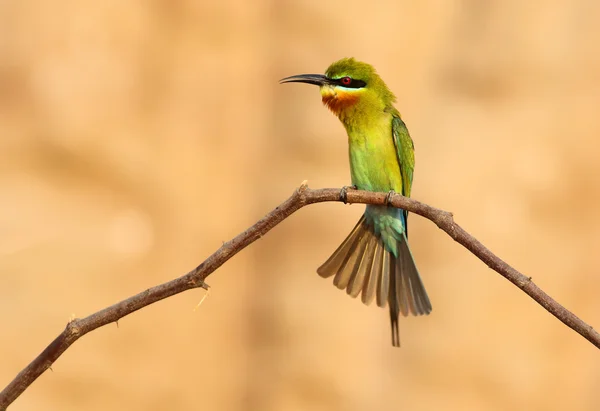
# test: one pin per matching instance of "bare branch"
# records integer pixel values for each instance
(302, 196)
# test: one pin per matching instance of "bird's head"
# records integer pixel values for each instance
(349, 88)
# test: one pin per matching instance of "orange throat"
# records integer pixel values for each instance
(338, 102)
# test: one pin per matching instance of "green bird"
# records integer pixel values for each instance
(374, 260)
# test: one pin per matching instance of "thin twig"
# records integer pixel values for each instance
(303, 196)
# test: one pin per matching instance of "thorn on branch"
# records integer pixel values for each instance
(195, 281)
(206, 294)
(303, 187)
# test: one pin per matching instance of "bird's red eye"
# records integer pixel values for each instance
(346, 81)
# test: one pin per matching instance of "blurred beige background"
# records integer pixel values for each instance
(137, 136)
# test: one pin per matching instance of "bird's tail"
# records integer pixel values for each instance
(363, 265)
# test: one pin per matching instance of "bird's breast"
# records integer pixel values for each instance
(373, 158)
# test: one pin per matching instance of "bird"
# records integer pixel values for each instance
(374, 260)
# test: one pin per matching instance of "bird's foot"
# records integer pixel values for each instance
(344, 193)
(388, 197)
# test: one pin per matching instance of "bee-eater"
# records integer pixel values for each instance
(374, 259)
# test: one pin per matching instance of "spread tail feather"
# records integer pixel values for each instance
(362, 264)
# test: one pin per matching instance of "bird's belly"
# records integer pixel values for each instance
(374, 167)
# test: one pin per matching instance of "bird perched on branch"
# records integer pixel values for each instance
(374, 260)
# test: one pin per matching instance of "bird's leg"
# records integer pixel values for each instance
(344, 193)
(388, 197)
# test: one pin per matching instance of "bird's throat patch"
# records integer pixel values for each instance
(338, 101)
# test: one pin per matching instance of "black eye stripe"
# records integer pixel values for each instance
(353, 83)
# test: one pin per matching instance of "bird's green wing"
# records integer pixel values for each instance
(405, 151)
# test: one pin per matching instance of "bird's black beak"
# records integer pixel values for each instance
(316, 79)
